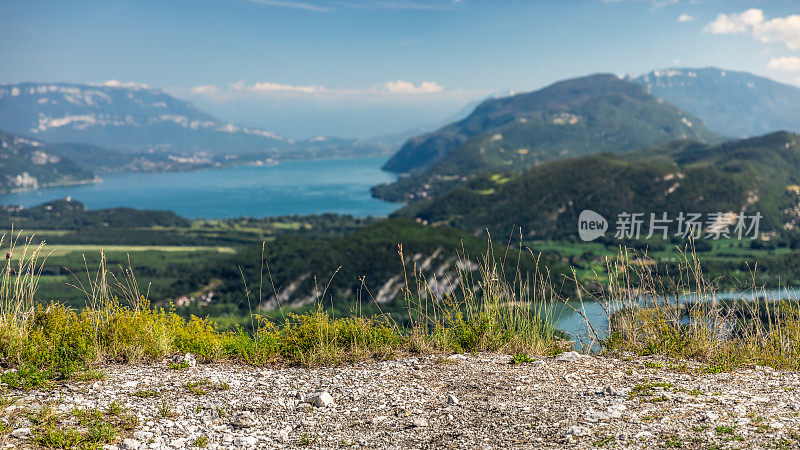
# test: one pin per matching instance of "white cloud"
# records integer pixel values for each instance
(686, 18)
(276, 87)
(405, 87)
(128, 84)
(782, 29)
(395, 89)
(785, 63)
(785, 30)
(736, 23)
(204, 89)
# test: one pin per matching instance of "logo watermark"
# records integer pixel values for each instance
(592, 225)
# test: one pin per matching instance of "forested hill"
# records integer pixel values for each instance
(68, 214)
(758, 174)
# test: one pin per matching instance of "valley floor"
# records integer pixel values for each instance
(460, 401)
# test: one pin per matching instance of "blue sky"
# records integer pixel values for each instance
(362, 68)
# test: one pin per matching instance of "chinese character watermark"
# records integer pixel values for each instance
(717, 225)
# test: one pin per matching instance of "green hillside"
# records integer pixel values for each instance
(755, 174)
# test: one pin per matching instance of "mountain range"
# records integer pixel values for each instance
(597, 113)
(736, 104)
(97, 128)
(586, 115)
(146, 121)
(131, 119)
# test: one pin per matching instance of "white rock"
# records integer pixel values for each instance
(419, 422)
(643, 436)
(245, 441)
(537, 364)
(321, 399)
(186, 358)
(709, 416)
(378, 420)
(283, 435)
(142, 435)
(569, 356)
(130, 444)
(453, 400)
(594, 415)
(243, 419)
(21, 433)
(304, 406)
(577, 431)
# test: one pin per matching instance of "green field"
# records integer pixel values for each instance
(160, 247)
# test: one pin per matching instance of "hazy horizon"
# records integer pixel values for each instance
(366, 69)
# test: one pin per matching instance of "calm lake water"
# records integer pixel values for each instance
(296, 187)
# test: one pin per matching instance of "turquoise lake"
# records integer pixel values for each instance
(295, 187)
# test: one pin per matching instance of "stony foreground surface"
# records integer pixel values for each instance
(459, 401)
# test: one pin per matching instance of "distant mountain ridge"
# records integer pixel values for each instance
(125, 118)
(736, 104)
(596, 113)
(113, 127)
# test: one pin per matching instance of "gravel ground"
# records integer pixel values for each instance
(459, 401)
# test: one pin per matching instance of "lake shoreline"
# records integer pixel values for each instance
(333, 185)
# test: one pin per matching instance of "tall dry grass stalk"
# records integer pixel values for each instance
(104, 289)
(19, 280)
(483, 308)
(677, 311)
